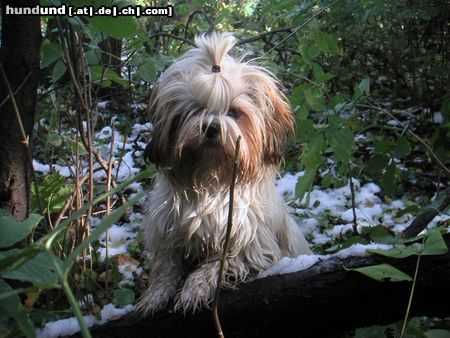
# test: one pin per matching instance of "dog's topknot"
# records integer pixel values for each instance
(215, 45)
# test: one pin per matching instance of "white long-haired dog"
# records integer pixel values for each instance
(200, 106)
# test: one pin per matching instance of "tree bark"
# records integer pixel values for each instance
(323, 301)
(19, 56)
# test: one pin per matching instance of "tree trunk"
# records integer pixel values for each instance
(19, 56)
(324, 300)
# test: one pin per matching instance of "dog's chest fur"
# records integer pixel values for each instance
(196, 223)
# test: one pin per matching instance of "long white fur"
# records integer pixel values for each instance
(187, 212)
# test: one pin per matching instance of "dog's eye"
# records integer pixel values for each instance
(234, 113)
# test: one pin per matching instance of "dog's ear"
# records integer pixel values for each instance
(280, 123)
(151, 153)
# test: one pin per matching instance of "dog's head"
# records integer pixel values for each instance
(200, 106)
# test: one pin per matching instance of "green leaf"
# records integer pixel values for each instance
(147, 71)
(105, 75)
(353, 240)
(377, 163)
(119, 27)
(389, 179)
(307, 132)
(50, 52)
(15, 258)
(370, 332)
(382, 146)
(93, 56)
(340, 139)
(402, 148)
(435, 244)
(413, 209)
(12, 231)
(297, 97)
(54, 192)
(122, 297)
(400, 251)
(325, 41)
(383, 272)
(315, 99)
(183, 10)
(364, 86)
(327, 180)
(36, 270)
(311, 158)
(379, 234)
(12, 307)
(59, 69)
(437, 333)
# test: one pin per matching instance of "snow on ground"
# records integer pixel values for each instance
(69, 326)
(120, 236)
(324, 204)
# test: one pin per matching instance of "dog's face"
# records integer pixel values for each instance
(200, 106)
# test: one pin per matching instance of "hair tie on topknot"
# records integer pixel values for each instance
(215, 69)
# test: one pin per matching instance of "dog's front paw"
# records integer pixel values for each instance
(198, 290)
(156, 297)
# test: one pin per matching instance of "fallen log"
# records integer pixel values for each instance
(324, 300)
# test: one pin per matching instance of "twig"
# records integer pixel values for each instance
(84, 108)
(17, 90)
(25, 141)
(318, 85)
(411, 294)
(191, 17)
(119, 163)
(301, 26)
(215, 311)
(352, 190)
(175, 37)
(108, 207)
(91, 160)
(263, 35)
(69, 201)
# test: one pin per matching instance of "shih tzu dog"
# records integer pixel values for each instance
(200, 106)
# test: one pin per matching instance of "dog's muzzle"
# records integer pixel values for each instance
(212, 134)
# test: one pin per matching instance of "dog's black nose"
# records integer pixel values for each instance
(211, 131)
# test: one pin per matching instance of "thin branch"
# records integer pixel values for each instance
(263, 35)
(108, 207)
(175, 37)
(301, 26)
(318, 85)
(191, 17)
(122, 152)
(84, 108)
(411, 294)
(17, 90)
(226, 243)
(89, 135)
(352, 190)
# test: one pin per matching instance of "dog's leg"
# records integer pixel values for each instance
(165, 274)
(199, 287)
